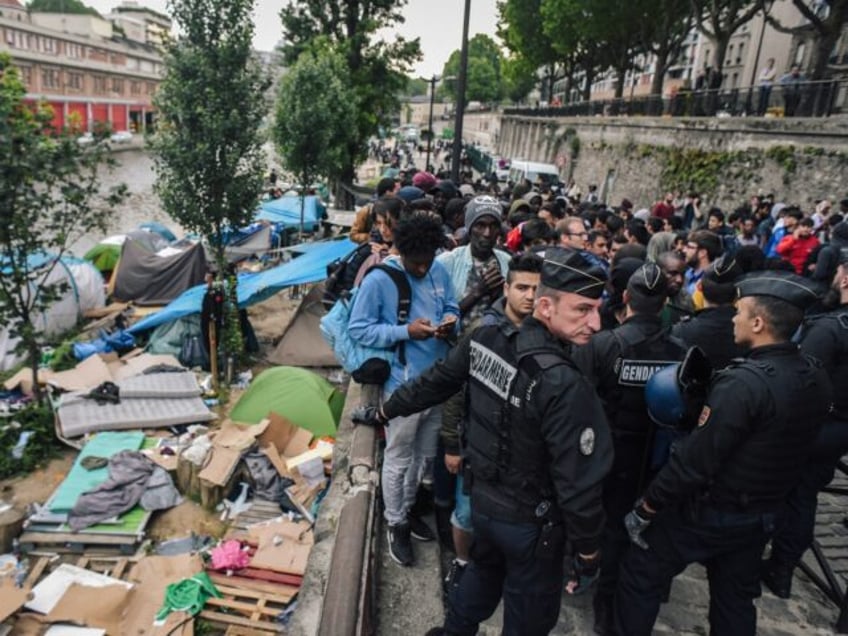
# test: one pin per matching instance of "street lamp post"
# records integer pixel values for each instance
(432, 82)
(460, 96)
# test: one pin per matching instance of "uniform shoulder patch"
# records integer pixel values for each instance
(587, 441)
(704, 417)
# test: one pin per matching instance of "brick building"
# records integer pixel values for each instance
(90, 70)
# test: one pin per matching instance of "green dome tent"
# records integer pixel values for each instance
(303, 397)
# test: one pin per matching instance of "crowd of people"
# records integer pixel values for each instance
(597, 396)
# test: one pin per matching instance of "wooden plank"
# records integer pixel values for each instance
(36, 572)
(253, 594)
(260, 608)
(243, 584)
(229, 619)
(274, 577)
(78, 538)
(246, 608)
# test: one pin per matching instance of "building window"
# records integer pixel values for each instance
(99, 84)
(75, 81)
(26, 74)
(118, 85)
(739, 55)
(135, 88)
(151, 88)
(10, 37)
(49, 45)
(50, 78)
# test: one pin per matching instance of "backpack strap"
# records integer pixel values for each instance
(404, 301)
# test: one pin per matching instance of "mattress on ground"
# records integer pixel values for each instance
(80, 479)
(152, 400)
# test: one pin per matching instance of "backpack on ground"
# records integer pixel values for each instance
(367, 365)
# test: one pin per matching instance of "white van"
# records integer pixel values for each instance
(533, 171)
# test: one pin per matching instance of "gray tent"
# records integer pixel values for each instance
(146, 278)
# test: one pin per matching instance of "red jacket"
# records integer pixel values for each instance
(796, 250)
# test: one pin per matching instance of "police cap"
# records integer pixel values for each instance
(648, 281)
(724, 269)
(843, 256)
(787, 286)
(566, 270)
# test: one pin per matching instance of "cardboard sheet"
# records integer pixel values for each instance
(152, 574)
(220, 466)
(11, 598)
(101, 607)
(289, 557)
(288, 438)
(53, 587)
(239, 436)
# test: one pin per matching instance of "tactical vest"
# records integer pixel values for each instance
(767, 464)
(505, 450)
(836, 322)
(643, 350)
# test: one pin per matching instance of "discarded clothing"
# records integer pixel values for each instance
(188, 595)
(267, 483)
(132, 478)
(229, 556)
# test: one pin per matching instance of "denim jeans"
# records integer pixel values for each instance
(410, 448)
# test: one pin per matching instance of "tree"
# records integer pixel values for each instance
(49, 199)
(563, 23)
(483, 83)
(375, 68)
(208, 149)
(720, 19)
(417, 86)
(664, 27)
(315, 116)
(61, 6)
(827, 23)
(519, 78)
(531, 45)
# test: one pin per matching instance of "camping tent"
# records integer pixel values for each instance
(306, 399)
(146, 278)
(310, 267)
(106, 253)
(84, 292)
(285, 211)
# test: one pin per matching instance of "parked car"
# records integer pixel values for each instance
(85, 139)
(121, 136)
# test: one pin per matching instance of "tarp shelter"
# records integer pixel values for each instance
(309, 267)
(158, 228)
(285, 211)
(306, 399)
(84, 292)
(146, 278)
(106, 253)
(302, 344)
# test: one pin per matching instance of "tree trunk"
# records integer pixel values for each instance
(721, 43)
(825, 41)
(587, 86)
(660, 66)
(620, 76)
(34, 355)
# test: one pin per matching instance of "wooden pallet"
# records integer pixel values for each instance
(79, 542)
(258, 512)
(245, 609)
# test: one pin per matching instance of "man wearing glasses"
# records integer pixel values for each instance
(572, 233)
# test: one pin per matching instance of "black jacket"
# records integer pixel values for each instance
(756, 429)
(825, 337)
(711, 329)
(552, 417)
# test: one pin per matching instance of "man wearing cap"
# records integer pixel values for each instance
(619, 363)
(717, 499)
(825, 337)
(711, 329)
(538, 450)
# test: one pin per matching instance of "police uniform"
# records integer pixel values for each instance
(717, 499)
(537, 450)
(620, 362)
(711, 329)
(825, 337)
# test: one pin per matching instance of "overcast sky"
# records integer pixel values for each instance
(437, 22)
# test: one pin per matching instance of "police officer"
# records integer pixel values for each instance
(824, 337)
(716, 500)
(620, 362)
(711, 329)
(538, 449)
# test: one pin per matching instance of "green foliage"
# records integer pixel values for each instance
(518, 78)
(524, 35)
(315, 121)
(483, 78)
(49, 198)
(784, 156)
(208, 147)
(60, 6)
(376, 67)
(42, 444)
(416, 86)
(720, 19)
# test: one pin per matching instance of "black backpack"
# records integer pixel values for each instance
(341, 274)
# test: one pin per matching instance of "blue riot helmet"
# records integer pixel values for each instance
(665, 399)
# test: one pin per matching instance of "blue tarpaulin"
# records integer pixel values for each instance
(309, 267)
(286, 211)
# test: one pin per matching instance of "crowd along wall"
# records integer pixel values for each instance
(725, 160)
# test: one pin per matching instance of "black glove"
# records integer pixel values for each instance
(637, 521)
(368, 416)
(585, 572)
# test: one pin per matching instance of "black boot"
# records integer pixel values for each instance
(602, 605)
(777, 577)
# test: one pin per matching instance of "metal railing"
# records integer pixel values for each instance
(801, 99)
